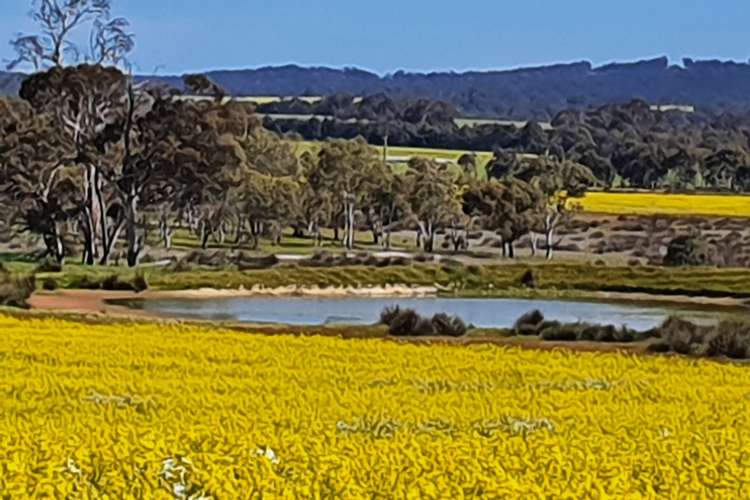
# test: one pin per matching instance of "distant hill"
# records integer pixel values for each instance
(522, 94)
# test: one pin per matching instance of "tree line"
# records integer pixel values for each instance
(625, 145)
(90, 162)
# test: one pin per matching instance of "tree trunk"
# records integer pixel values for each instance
(54, 245)
(93, 210)
(88, 238)
(134, 241)
(429, 243)
(548, 242)
(457, 243)
(165, 232)
(511, 250)
(111, 242)
(429, 238)
(350, 239)
(388, 230)
(345, 240)
(168, 238)
(255, 230)
(102, 214)
(205, 234)
(549, 234)
(220, 234)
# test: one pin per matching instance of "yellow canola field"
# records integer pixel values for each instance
(170, 411)
(665, 204)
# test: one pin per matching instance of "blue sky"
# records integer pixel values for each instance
(387, 35)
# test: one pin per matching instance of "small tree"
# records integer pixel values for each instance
(266, 200)
(433, 199)
(557, 182)
(388, 206)
(508, 206)
(688, 250)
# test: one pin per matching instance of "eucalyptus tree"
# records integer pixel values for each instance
(268, 201)
(558, 182)
(508, 206)
(86, 102)
(389, 206)
(346, 171)
(433, 199)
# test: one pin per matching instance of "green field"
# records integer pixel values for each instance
(561, 279)
(399, 156)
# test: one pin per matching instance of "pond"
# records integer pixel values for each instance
(483, 313)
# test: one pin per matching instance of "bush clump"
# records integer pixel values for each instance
(15, 292)
(562, 332)
(407, 322)
(682, 336)
(731, 340)
(728, 339)
(245, 263)
(530, 323)
(688, 250)
(49, 265)
(533, 323)
(112, 283)
(181, 266)
(49, 284)
(404, 323)
(447, 325)
(528, 280)
(140, 284)
(388, 314)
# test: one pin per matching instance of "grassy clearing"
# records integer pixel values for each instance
(482, 281)
(563, 280)
(401, 155)
(666, 204)
(186, 240)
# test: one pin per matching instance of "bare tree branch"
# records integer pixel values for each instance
(109, 41)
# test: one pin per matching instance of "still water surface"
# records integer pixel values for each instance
(486, 313)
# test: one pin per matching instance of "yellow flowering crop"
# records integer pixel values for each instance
(665, 204)
(176, 411)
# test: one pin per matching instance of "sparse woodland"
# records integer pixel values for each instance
(90, 161)
(93, 164)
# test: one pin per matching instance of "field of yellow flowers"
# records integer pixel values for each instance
(126, 410)
(665, 204)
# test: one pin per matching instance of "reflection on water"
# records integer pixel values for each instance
(486, 313)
